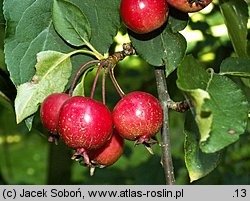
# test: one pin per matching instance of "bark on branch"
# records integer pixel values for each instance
(165, 145)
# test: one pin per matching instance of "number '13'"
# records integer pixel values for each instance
(241, 193)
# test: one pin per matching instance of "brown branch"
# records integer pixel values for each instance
(113, 59)
(166, 148)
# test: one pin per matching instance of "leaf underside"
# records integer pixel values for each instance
(198, 163)
(53, 70)
(220, 106)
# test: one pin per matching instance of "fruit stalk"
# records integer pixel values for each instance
(95, 80)
(103, 86)
(112, 60)
(165, 145)
(116, 85)
(79, 73)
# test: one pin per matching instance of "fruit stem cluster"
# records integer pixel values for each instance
(108, 64)
(112, 61)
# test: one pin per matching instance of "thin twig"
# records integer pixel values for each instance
(166, 148)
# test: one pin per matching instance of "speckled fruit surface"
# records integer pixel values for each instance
(84, 123)
(110, 152)
(138, 115)
(49, 111)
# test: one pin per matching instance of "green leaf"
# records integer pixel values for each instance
(235, 13)
(221, 108)
(165, 46)
(30, 30)
(104, 18)
(79, 89)
(53, 70)
(2, 33)
(161, 48)
(29, 122)
(71, 23)
(235, 67)
(198, 164)
(177, 20)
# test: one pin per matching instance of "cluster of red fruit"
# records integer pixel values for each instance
(144, 16)
(88, 126)
(96, 134)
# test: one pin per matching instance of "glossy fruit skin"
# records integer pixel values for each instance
(84, 123)
(138, 115)
(143, 16)
(49, 111)
(189, 6)
(110, 152)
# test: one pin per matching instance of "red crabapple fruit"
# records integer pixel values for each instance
(138, 116)
(49, 113)
(144, 16)
(109, 153)
(84, 124)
